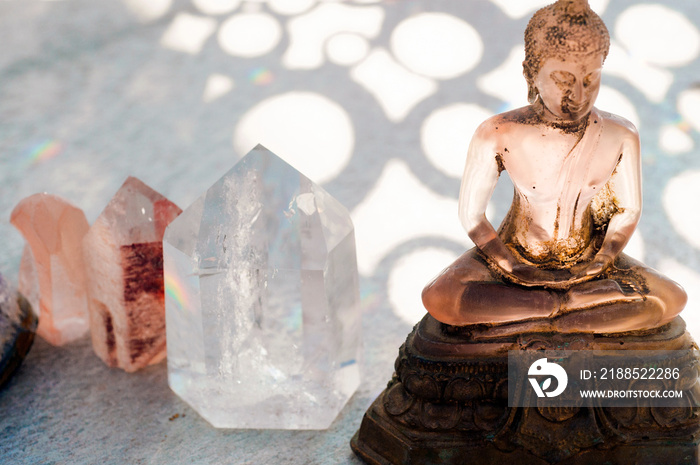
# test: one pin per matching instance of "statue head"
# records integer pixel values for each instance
(564, 30)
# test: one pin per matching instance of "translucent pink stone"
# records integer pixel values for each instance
(52, 273)
(124, 263)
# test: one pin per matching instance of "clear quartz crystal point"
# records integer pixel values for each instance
(124, 261)
(262, 300)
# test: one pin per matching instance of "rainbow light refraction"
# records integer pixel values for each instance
(43, 151)
(370, 299)
(176, 291)
(683, 125)
(261, 76)
(294, 320)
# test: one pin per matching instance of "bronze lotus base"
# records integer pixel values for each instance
(448, 404)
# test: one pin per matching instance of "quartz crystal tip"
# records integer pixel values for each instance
(262, 300)
(124, 261)
(52, 271)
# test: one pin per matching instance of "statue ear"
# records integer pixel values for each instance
(532, 94)
(532, 91)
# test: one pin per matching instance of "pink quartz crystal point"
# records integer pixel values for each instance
(124, 263)
(52, 272)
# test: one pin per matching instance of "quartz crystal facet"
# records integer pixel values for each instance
(124, 262)
(52, 271)
(262, 301)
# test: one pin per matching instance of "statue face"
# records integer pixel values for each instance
(568, 88)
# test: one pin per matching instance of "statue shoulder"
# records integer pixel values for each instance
(504, 125)
(618, 126)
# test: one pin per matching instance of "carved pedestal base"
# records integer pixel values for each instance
(448, 404)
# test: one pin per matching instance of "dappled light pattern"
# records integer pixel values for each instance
(520, 8)
(347, 49)
(376, 100)
(648, 79)
(635, 247)
(187, 33)
(680, 200)
(315, 134)
(675, 41)
(446, 133)
(409, 275)
(437, 45)
(388, 223)
(290, 7)
(396, 89)
(148, 11)
(506, 81)
(217, 86)
(689, 278)
(674, 140)
(309, 32)
(216, 7)
(401, 64)
(689, 106)
(617, 103)
(249, 35)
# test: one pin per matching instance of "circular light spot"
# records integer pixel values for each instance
(437, 45)
(446, 133)
(680, 202)
(347, 49)
(290, 7)
(408, 277)
(615, 102)
(506, 82)
(216, 7)
(658, 34)
(690, 280)
(689, 107)
(309, 131)
(148, 11)
(599, 6)
(635, 247)
(249, 34)
(673, 140)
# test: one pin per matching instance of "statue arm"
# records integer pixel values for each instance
(627, 190)
(481, 173)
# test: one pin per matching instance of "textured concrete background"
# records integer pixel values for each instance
(363, 97)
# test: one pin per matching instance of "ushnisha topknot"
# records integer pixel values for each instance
(558, 30)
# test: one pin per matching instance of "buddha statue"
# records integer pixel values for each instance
(552, 277)
(556, 261)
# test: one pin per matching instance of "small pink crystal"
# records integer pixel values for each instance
(124, 263)
(52, 273)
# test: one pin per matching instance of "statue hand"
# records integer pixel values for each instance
(531, 276)
(591, 269)
(595, 268)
